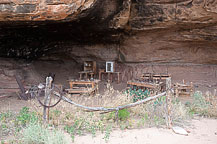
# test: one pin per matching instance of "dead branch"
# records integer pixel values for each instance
(106, 110)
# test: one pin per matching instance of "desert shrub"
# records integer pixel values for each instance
(203, 104)
(81, 126)
(25, 117)
(5, 123)
(154, 113)
(199, 105)
(5, 115)
(107, 133)
(123, 115)
(35, 133)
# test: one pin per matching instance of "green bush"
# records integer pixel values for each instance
(25, 117)
(35, 133)
(199, 105)
(4, 116)
(138, 94)
(123, 115)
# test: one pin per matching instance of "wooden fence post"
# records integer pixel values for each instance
(47, 96)
(168, 102)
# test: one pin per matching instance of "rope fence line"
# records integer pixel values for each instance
(116, 109)
(106, 110)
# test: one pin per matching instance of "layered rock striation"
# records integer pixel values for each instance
(131, 31)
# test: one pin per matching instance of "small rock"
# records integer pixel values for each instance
(179, 130)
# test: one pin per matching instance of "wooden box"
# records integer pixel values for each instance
(90, 66)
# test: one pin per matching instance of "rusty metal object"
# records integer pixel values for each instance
(54, 90)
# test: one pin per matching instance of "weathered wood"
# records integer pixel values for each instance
(47, 96)
(4, 96)
(86, 73)
(152, 76)
(183, 89)
(73, 89)
(106, 110)
(92, 83)
(168, 102)
(90, 66)
(143, 84)
(110, 75)
(85, 90)
(22, 89)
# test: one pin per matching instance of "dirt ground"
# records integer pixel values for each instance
(201, 131)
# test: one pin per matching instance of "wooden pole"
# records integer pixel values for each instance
(168, 102)
(47, 96)
(106, 110)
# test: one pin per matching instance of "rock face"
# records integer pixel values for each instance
(42, 10)
(150, 31)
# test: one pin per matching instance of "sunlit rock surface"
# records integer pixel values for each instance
(150, 31)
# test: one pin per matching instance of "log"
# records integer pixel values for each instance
(5, 96)
(106, 110)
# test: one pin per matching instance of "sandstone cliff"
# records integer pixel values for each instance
(160, 31)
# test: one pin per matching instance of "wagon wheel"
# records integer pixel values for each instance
(55, 96)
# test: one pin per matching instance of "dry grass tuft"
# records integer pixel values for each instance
(211, 99)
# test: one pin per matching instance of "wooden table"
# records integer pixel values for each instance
(153, 86)
(93, 86)
(86, 73)
(110, 75)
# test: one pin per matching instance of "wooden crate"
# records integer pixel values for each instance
(90, 66)
(77, 86)
(183, 89)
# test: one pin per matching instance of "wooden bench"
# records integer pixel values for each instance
(81, 91)
(183, 89)
(91, 87)
(156, 77)
(151, 86)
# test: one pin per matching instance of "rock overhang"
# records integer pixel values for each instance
(190, 25)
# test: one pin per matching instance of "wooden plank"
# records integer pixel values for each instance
(148, 85)
(81, 82)
(47, 97)
(76, 91)
(168, 102)
(157, 75)
(80, 90)
(185, 93)
(5, 96)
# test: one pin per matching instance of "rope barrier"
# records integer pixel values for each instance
(106, 110)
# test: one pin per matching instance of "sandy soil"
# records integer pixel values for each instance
(201, 131)
(12, 104)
